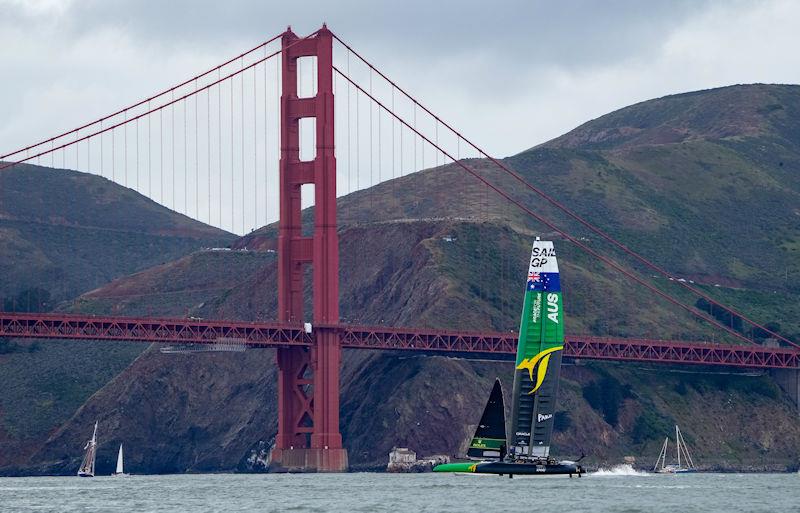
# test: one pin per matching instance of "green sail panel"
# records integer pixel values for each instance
(539, 352)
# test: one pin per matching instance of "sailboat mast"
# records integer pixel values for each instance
(678, 443)
(93, 449)
(685, 450)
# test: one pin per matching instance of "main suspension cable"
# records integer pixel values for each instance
(551, 225)
(566, 209)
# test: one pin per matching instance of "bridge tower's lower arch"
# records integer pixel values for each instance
(308, 379)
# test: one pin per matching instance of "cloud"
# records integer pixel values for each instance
(508, 74)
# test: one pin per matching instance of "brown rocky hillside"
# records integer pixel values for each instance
(706, 184)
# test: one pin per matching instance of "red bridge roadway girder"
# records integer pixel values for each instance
(455, 343)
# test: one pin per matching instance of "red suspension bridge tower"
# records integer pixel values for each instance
(308, 379)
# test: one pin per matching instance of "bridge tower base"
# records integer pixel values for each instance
(308, 437)
(789, 381)
(308, 460)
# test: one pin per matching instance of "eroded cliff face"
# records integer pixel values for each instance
(216, 412)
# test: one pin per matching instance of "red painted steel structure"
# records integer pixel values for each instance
(457, 343)
(308, 377)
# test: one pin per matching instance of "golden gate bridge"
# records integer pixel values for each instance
(220, 138)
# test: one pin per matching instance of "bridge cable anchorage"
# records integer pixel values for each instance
(146, 100)
(150, 110)
(554, 227)
(565, 209)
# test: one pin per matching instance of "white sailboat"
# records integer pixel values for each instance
(685, 463)
(120, 472)
(87, 466)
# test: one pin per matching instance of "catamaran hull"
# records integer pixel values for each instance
(512, 469)
(678, 471)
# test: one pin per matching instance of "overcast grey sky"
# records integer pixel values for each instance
(508, 74)
(511, 74)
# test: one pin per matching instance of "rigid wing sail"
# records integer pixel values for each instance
(538, 363)
(536, 373)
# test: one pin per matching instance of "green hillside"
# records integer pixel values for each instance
(65, 233)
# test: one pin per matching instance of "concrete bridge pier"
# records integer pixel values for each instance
(789, 381)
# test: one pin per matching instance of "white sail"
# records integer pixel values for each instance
(685, 462)
(119, 461)
(87, 466)
(662, 457)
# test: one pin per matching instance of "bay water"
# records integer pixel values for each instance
(616, 490)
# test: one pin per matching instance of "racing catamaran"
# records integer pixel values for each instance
(537, 370)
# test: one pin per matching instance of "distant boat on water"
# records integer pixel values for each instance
(87, 466)
(685, 464)
(120, 472)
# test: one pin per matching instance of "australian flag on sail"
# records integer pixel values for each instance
(548, 282)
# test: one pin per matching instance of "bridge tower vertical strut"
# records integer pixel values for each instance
(308, 380)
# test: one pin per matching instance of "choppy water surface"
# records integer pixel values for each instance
(619, 490)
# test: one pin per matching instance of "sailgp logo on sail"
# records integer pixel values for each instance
(541, 361)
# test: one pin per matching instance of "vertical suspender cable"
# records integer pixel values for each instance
(233, 227)
(113, 156)
(358, 141)
(149, 154)
(414, 137)
(266, 142)
(125, 142)
(185, 158)
(349, 152)
(255, 150)
(437, 142)
(401, 150)
(371, 143)
(161, 152)
(380, 144)
(172, 136)
(138, 188)
(393, 136)
(219, 145)
(196, 157)
(208, 148)
(241, 109)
